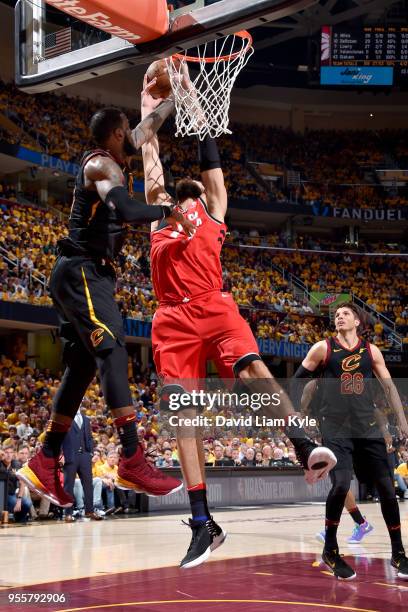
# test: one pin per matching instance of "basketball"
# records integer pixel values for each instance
(158, 70)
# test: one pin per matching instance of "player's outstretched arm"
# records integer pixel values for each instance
(308, 392)
(153, 121)
(384, 377)
(108, 179)
(155, 190)
(212, 177)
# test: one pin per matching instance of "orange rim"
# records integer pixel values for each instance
(223, 58)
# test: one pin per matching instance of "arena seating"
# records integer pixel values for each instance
(335, 168)
(257, 279)
(24, 391)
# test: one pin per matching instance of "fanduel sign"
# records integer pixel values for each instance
(370, 214)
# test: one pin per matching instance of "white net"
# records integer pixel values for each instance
(203, 99)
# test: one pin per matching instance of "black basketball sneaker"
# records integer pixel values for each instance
(337, 565)
(400, 562)
(205, 538)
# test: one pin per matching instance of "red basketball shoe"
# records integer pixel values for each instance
(40, 474)
(136, 473)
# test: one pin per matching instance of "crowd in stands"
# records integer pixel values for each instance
(61, 128)
(258, 279)
(332, 164)
(26, 397)
(336, 168)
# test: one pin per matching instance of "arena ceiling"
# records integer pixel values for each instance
(288, 50)
(284, 45)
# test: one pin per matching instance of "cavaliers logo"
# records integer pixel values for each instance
(97, 336)
(351, 363)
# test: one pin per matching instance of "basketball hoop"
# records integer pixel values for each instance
(203, 101)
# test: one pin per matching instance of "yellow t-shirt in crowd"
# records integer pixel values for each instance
(95, 467)
(3, 426)
(12, 418)
(106, 470)
(402, 470)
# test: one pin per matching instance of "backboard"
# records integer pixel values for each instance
(54, 49)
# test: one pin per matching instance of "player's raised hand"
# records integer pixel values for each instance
(148, 103)
(184, 76)
(177, 219)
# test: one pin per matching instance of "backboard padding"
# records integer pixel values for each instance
(196, 25)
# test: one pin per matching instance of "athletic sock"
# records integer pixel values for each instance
(356, 515)
(396, 540)
(391, 514)
(198, 502)
(126, 426)
(54, 438)
(331, 535)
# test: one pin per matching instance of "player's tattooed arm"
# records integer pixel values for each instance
(155, 190)
(384, 377)
(149, 126)
(382, 423)
(108, 180)
(308, 392)
(104, 174)
(154, 113)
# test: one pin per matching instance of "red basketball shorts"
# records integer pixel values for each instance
(185, 336)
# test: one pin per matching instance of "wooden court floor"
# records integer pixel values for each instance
(270, 561)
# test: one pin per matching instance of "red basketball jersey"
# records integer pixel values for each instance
(184, 267)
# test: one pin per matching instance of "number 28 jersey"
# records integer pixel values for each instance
(183, 267)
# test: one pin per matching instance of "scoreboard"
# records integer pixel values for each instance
(369, 56)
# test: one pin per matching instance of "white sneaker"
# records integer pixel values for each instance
(319, 456)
